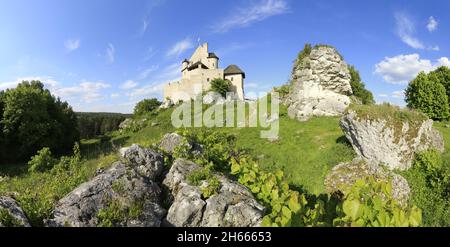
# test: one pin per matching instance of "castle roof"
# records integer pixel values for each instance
(212, 55)
(195, 66)
(233, 70)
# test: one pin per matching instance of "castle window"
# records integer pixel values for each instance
(207, 79)
(232, 78)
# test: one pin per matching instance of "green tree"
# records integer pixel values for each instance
(442, 76)
(145, 106)
(221, 86)
(32, 119)
(359, 88)
(428, 96)
(42, 161)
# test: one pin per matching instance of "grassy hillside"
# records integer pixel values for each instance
(306, 151)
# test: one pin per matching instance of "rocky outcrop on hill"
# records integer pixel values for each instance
(382, 141)
(320, 85)
(233, 205)
(344, 175)
(129, 183)
(11, 214)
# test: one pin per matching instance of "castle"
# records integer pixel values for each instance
(197, 74)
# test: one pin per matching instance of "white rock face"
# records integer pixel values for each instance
(344, 175)
(376, 141)
(232, 206)
(320, 85)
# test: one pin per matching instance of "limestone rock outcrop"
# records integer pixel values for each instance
(232, 206)
(128, 184)
(15, 215)
(344, 175)
(320, 85)
(383, 142)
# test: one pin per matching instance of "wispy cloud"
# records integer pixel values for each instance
(246, 16)
(145, 24)
(403, 68)
(151, 90)
(72, 44)
(110, 53)
(432, 24)
(48, 81)
(406, 31)
(146, 72)
(180, 47)
(88, 91)
(129, 84)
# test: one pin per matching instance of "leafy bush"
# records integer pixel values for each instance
(111, 216)
(221, 86)
(429, 179)
(282, 90)
(41, 162)
(7, 220)
(205, 174)
(369, 204)
(271, 190)
(359, 88)
(216, 148)
(146, 106)
(428, 96)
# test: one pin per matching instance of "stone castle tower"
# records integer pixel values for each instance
(197, 74)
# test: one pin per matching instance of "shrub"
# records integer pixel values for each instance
(369, 204)
(146, 106)
(429, 179)
(41, 162)
(7, 220)
(359, 88)
(221, 86)
(282, 90)
(270, 189)
(428, 96)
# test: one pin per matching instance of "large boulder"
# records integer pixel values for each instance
(388, 139)
(232, 206)
(171, 141)
(125, 187)
(11, 215)
(344, 175)
(320, 85)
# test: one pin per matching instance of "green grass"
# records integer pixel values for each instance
(441, 126)
(306, 151)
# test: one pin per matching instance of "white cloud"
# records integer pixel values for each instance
(245, 17)
(146, 72)
(115, 95)
(72, 44)
(180, 47)
(88, 91)
(129, 84)
(151, 90)
(406, 31)
(110, 53)
(398, 94)
(145, 24)
(432, 24)
(383, 95)
(48, 81)
(251, 85)
(403, 68)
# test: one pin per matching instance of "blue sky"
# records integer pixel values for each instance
(103, 55)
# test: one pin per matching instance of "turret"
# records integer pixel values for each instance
(185, 64)
(213, 60)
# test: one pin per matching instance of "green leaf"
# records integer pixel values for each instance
(293, 203)
(415, 218)
(286, 212)
(352, 208)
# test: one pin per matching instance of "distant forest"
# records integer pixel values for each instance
(91, 124)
